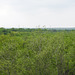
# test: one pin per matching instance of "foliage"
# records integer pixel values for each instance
(37, 52)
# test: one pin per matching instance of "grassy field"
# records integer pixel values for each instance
(37, 52)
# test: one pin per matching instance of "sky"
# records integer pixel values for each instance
(37, 13)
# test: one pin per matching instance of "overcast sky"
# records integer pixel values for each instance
(37, 13)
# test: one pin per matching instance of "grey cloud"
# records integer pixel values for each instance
(29, 5)
(37, 12)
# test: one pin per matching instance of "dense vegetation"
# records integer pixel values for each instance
(37, 52)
